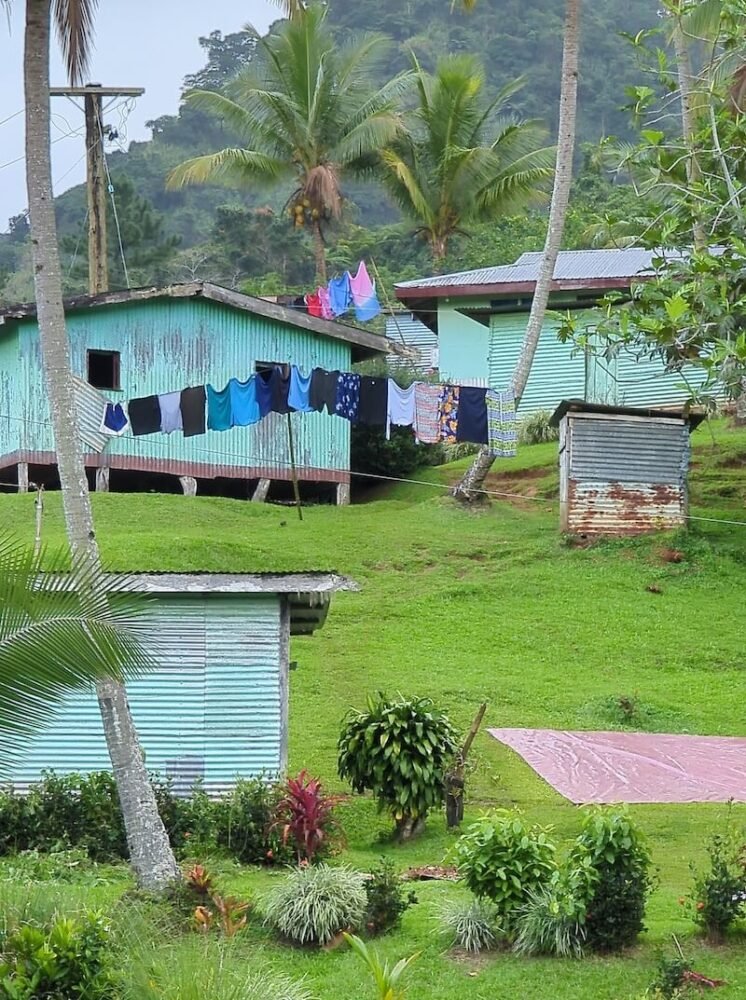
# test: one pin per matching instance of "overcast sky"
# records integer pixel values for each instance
(139, 43)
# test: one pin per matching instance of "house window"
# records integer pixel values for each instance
(269, 366)
(103, 369)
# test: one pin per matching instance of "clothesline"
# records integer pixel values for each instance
(437, 412)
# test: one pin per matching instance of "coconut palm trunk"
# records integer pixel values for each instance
(470, 487)
(688, 100)
(150, 851)
(319, 254)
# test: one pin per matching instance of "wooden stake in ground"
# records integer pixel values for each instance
(293, 470)
(455, 780)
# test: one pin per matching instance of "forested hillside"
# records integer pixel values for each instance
(242, 238)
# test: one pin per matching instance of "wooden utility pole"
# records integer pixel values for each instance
(93, 95)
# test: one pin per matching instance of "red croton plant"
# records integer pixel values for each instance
(305, 816)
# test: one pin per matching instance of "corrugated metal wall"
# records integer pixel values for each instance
(409, 330)
(168, 344)
(555, 374)
(622, 475)
(10, 391)
(211, 709)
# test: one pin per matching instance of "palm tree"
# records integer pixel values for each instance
(58, 632)
(470, 486)
(150, 852)
(462, 159)
(307, 113)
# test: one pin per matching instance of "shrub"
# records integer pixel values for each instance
(304, 814)
(314, 904)
(612, 844)
(536, 429)
(503, 859)
(474, 925)
(244, 823)
(400, 749)
(718, 897)
(670, 981)
(387, 898)
(66, 961)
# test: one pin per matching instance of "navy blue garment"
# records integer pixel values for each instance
(219, 409)
(145, 415)
(279, 384)
(472, 415)
(348, 396)
(323, 391)
(193, 410)
(373, 405)
(115, 419)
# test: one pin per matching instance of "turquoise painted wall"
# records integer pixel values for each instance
(10, 379)
(211, 708)
(559, 370)
(167, 344)
(464, 346)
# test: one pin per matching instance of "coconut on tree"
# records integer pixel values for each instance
(306, 113)
(463, 158)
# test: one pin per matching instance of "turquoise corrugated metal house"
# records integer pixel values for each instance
(216, 705)
(154, 340)
(480, 319)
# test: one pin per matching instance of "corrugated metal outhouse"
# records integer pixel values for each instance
(216, 705)
(156, 340)
(623, 471)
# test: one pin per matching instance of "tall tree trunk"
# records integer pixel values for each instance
(687, 98)
(150, 851)
(319, 253)
(472, 483)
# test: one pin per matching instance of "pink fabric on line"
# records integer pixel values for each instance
(426, 412)
(326, 305)
(361, 286)
(633, 767)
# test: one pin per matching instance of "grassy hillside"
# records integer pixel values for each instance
(488, 605)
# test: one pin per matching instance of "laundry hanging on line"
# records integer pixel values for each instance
(436, 412)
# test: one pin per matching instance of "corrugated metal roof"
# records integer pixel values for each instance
(572, 265)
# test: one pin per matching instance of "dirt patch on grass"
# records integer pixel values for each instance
(472, 962)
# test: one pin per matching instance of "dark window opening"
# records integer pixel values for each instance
(103, 369)
(269, 366)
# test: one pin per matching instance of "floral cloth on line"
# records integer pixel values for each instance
(348, 396)
(448, 413)
(501, 423)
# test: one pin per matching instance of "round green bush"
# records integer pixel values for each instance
(503, 859)
(313, 904)
(399, 749)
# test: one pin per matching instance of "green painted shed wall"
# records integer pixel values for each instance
(471, 353)
(10, 376)
(168, 344)
(211, 708)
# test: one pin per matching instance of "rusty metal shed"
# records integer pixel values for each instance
(623, 470)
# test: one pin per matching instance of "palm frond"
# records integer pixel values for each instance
(74, 22)
(236, 117)
(60, 630)
(230, 167)
(405, 187)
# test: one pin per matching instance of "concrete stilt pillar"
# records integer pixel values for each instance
(262, 490)
(188, 485)
(102, 479)
(23, 477)
(343, 494)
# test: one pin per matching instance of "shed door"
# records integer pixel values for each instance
(242, 704)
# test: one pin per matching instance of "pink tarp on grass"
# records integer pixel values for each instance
(633, 767)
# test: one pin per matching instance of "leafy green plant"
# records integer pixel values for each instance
(387, 898)
(503, 859)
(474, 925)
(65, 961)
(245, 823)
(614, 847)
(552, 921)
(718, 897)
(387, 978)
(400, 750)
(670, 980)
(536, 428)
(315, 903)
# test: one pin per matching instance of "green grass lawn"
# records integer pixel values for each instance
(494, 605)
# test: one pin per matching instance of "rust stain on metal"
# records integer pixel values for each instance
(622, 509)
